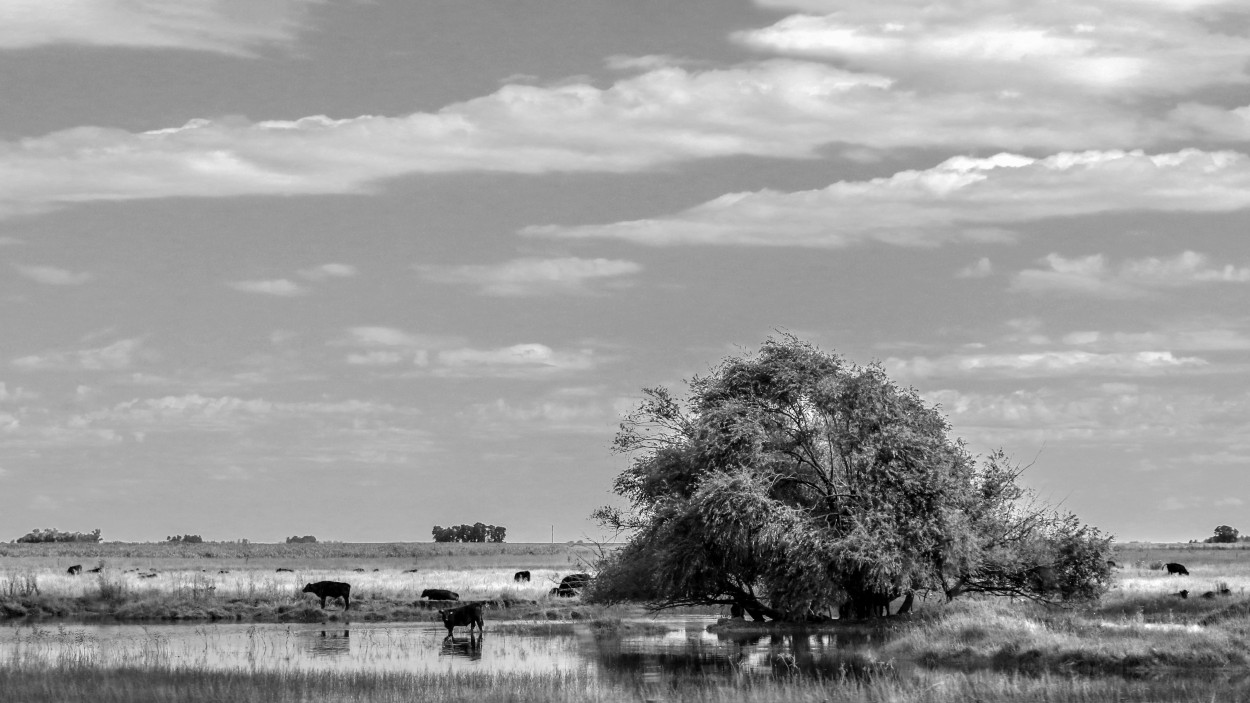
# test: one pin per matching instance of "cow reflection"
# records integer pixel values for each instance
(469, 649)
(330, 643)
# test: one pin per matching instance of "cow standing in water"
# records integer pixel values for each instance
(470, 615)
(330, 589)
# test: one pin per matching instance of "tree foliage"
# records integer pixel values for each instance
(185, 539)
(55, 535)
(477, 532)
(1223, 534)
(306, 539)
(795, 484)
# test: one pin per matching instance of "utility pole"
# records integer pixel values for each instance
(553, 534)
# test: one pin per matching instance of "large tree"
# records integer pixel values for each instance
(794, 484)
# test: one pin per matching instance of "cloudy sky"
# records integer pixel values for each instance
(354, 269)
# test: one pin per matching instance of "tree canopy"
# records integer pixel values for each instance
(794, 484)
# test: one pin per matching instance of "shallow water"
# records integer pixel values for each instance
(687, 648)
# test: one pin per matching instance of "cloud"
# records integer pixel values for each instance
(1100, 49)
(280, 287)
(118, 355)
(531, 276)
(981, 268)
(1061, 362)
(1091, 275)
(328, 271)
(237, 27)
(549, 415)
(640, 123)
(961, 199)
(516, 361)
(53, 276)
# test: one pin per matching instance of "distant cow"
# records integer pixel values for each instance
(148, 576)
(1174, 568)
(1209, 594)
(359, 571)
(1225, 592)
(283, 568)
(407, 571)
(74, 570)
(96, 570)
(521, 576)
(1183, 594)
(470, 615)
(330, 589)
(571, 584)
(439, 594)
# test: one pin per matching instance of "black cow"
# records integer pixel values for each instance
(521, 576)
(330, 589)
(1225, 592)
(282, 569)
(74, 570)
(407, 571)
(359, 571)
(96, 570)
(1174, 568)
(439, 594)
(1209, 594)
(1183, 594)
(470, 615)
(571, 584)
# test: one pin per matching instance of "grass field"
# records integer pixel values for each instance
(234, 581)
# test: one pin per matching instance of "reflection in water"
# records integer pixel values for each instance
(470, 649)
(330, 643)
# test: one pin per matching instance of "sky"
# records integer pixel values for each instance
(357, 268)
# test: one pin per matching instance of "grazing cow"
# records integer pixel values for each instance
(1225, 592)
(330, 589)
(283, 568)
(571, 584)
(1209, 594)
(148, 576)
(1174, 568)
(1183, 594)
(521, 576)
(470, 615)
(96, 570)
(407, 571)
(359, 571)
(224, 571)
(74, 570)
(439, 594)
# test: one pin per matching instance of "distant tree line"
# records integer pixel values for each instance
(306, 539)
(1225, 535)
(55, 535)
(477, 532)
(185, 539)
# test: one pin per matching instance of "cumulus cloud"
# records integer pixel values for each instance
(961, 199)
(53, 276)
(659, 118)
(531, 276)
(280, 287)
(237, 27)
(1092, 275)
(118, 355)
(1109, 47)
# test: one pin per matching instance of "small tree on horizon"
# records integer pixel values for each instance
(1223, 534)
(794, 484)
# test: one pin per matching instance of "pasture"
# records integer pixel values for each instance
(233, 581)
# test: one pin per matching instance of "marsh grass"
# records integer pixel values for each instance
(72, 683)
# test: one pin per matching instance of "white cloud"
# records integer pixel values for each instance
(980, 268)
(281, 287)
(531, 276)
(118, 355)
(1091, 275)
(328, 271)
(1061, 362)
(236, 27)
(1099, 48)
(961, 199)
(53, 276)
(516, 361)
(552, 415)
(642, 122)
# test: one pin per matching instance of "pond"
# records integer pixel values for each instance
(650, 648)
